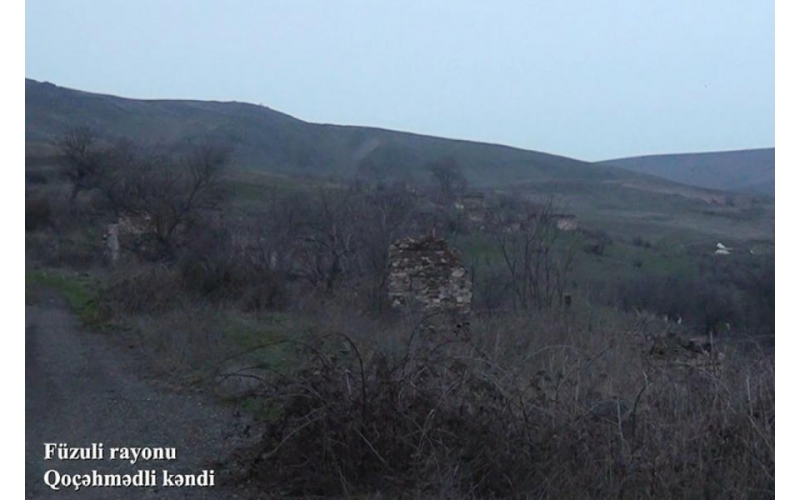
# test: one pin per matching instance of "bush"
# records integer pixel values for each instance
(58, 235)
(354, 424)
(151, 289)
(444, 419)
(35, 177)
(703, 304)
(228, 280)
(214, 269)
(51, 249)
(598, 241)
(38, 214)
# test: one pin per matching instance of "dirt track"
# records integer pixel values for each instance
(80, 388)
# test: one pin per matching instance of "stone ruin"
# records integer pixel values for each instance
(126, 232)
(699, 352)
(426, 275)
(668, 343)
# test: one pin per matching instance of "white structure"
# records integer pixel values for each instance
(111, 238)
(722, 250)
(125, 228)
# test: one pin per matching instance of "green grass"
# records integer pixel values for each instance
(264, 340)
(251, 330)
(620, 262)
(263, 343)
(79, 290)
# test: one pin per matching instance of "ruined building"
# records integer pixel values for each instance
(124, 233)
(425, 274)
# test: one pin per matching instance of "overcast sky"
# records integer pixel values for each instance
(588, 79)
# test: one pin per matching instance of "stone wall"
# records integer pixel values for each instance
(125, 233)
(425, 274)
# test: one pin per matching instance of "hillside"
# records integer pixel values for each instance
(270, 147)
(746, 171)
(268, 140)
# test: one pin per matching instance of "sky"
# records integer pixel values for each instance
(587, 79)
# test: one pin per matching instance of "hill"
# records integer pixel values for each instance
(266, 139)
(746, 171)
(270, 147)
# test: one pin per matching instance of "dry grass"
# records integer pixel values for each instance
(550, 405)
(515, 410)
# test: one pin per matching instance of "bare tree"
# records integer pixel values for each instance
(329, 240)
(81, 159)
(334, 236)
(165, 192)
(272, 237)
(449, 177)
(538, 267)
(384, 217)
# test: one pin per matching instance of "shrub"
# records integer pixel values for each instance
(638, 241)
(597, 242)
(445, 419)
(52, 249)
(214, 269)
(38, 213)
(145, 289)
(35, 177)
(704, 305)
(222, 279)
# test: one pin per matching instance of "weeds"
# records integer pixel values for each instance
(284, 313)
(442, 418)
(79, 290)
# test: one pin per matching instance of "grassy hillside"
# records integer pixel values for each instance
(747, 171)
(272, 147)
(268, 140)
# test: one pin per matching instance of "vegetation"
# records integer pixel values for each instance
(750, 171)
(79, 291)
(268, 143)
(470, 416)
(80, 160)
(271, 292)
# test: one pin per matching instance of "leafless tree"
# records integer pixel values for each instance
(449, 177)
(81, 159)
(328, 248)
(166, 192)
(331, 237)
(384, 217)
(538, 267)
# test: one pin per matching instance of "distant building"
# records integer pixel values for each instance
(566, 222)
(722, 250)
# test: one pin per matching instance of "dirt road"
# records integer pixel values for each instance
(82, 389)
